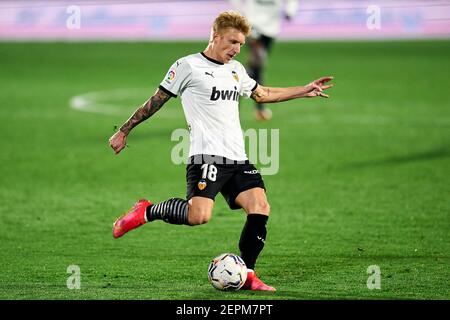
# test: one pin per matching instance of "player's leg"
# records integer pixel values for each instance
(257, 56)
(204, 181)
(246, 190)
(200, 210)
(253, 236)
(257, 59)
(174, 211)
(205, 176)
(196, 211)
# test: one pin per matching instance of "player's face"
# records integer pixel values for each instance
(228, 44)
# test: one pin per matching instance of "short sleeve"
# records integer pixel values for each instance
(248, 84)
(177, 78)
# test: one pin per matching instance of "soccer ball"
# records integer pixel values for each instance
(227, 272)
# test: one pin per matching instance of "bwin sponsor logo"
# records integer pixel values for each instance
(224, 94)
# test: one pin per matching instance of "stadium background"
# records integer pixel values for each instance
(363, 177)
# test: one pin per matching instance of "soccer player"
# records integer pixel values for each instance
(209, 84)
(265, 16)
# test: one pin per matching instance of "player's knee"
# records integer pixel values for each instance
(260, 206)
(264, 207)
(198, 220)
(199, 216)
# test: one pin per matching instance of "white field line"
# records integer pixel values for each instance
(102, 102)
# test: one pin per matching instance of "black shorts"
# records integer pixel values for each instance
(266, 41)
(207, 175)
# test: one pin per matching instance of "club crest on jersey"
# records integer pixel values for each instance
(235, 75)
(202, 184)
(224, 94)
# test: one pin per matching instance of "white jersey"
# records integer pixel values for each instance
(265, 16)
(209, 92)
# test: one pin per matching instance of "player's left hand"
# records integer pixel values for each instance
(315, 88)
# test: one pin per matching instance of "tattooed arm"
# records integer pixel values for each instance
(118, 140)
(314, 89)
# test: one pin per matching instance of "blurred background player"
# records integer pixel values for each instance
(265, 16)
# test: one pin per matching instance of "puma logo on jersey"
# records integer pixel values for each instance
(261, 239)
(251, 172)
(210, 74)
(224, 94)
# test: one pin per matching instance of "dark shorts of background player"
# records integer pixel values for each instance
(229, 177)
(266, 41)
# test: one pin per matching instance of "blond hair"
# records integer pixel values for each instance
(231, 19)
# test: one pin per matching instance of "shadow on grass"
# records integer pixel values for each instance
(247, 295)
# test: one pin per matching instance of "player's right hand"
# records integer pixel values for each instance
(118, 141)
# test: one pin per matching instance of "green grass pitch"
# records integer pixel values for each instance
(363, 177)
